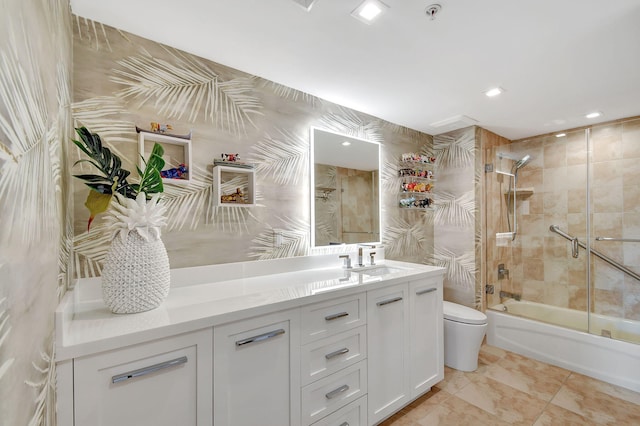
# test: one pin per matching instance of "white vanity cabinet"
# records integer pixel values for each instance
(405, 344)
(388, 340)
(254, 382)
(247, 352)
(163, 382)
(425, 334)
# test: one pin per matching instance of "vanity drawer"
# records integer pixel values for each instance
(326, 356)
(354, 414)
(327, 395)
(333, 316)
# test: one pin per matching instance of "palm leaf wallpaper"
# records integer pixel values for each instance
(35, 227)
(182, 84)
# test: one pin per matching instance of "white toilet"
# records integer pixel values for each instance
(464, 330)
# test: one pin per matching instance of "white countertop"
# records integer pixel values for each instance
(206, 296)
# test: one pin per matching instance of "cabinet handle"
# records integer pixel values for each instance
(386, 302)
(260, 337)
(148, 370)
(429, 290)
(336, 316)
(344, 424)
(336, 353)
(337, 392)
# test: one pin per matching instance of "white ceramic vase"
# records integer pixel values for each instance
(136, 276)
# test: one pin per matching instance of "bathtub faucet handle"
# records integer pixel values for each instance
(502, 272)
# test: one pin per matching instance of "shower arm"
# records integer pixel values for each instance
(610, 261)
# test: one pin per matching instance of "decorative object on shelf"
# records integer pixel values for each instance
(175, 173)
(412, 157)
(177, 152)
(160, 128)
(136, 275)
(413, 202)
(231, 160)
(416, 187)
(237, 197)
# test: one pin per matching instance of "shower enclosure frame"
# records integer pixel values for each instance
(591, 292)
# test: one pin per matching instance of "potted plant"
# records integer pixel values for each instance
(135, 277)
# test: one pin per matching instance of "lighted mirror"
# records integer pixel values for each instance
(345, 189)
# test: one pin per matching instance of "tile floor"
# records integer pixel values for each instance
(509, 389)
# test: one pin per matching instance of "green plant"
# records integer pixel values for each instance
(113, 178)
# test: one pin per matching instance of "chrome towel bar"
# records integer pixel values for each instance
(623, 240)
(610, 261)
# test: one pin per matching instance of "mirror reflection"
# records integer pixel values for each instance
(345, 184)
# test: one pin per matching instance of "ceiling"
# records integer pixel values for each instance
(556, 59)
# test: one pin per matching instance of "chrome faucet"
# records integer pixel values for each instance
(360, 261)
(371, 255)
(347, 261)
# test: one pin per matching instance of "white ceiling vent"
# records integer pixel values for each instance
(306, 4)
(452, 123)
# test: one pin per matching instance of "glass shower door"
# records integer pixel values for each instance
(541, 279)
(614, 195)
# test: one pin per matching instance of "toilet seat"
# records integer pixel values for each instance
(462, 314)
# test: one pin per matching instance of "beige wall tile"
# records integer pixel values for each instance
(606, 142)
(555, 154)
(631, 138)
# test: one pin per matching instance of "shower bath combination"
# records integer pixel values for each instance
(511, 193)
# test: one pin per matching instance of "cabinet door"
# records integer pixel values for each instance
(257, 371)
(388, 350)
(427, 347)
(165, 382)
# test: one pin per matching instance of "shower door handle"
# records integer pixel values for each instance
(575, 247)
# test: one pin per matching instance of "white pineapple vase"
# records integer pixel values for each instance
(136, 274)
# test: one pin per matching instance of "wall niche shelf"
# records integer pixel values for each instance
(243, 180)
(521, 192)
(177, 151)
(416, 175)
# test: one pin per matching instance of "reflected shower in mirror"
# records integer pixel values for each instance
(345, 189)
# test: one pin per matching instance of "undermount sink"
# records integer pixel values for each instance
(376, 271)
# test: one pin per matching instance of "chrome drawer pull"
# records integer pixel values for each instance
(337, 392)
(344, 424)
(429, 290)
(386, 302)
(148, 370)
(336, 353)
(336, 316)
(260, 337)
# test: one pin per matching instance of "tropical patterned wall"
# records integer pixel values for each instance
(457, 225)
(35, 235)
(121, 80)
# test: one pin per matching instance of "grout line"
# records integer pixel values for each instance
(554, 395)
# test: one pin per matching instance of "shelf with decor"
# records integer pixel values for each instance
(416, 183)
(240, 181)
(177, 154)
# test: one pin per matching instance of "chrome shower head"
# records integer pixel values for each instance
(522, 162)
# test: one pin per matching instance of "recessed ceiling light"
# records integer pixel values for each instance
(560, 135)
(494, 91)
(369, 10)
(594, 114)
(346, 143)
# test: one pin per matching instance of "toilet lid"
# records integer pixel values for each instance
(464, 314)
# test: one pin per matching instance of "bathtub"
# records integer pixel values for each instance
(568, 346)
